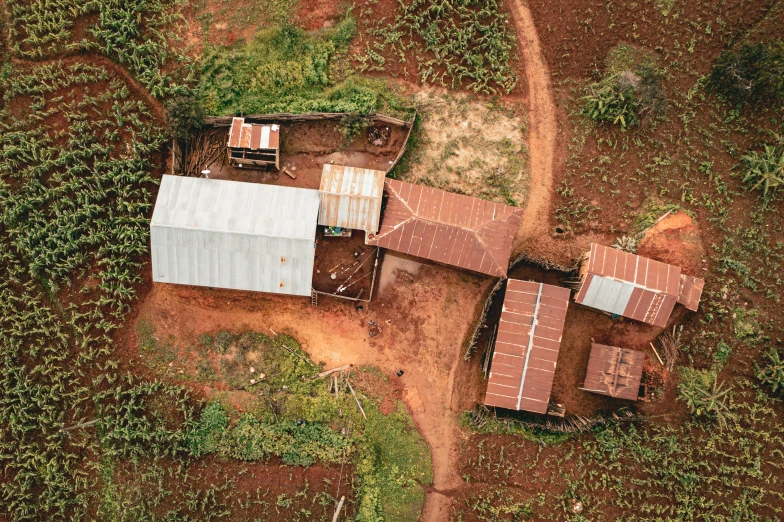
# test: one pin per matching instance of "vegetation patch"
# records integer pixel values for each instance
(470, 147)
(461, 44)
(285, 69)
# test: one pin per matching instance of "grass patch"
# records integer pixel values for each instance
(285, 69)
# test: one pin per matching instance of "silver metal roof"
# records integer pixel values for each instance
(351, 197)
(229, 234)
(608, 294)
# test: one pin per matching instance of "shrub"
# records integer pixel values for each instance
(772, 373)
(609, 102)
(184, 116)
(206, 434)
(765, 170)
(752, 74)
(702, 393)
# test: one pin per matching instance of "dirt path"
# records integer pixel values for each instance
(543, 128)
(424, 316)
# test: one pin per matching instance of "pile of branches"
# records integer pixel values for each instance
(485, 309)
(201, 151)
(478, 417)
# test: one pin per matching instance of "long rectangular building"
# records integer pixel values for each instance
(527, 345)
(229, 234)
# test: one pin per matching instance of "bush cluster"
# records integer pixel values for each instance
(754, 73)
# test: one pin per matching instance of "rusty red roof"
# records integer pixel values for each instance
(634, 286)
(253, 136)
(527, 345)
(690, 291)
(614, 371)
(448, 228)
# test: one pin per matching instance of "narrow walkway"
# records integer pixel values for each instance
(543, 128)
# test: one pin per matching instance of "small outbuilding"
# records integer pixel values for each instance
(351, 198)
(527, 345)
(614, 371)
(633, 286)
(254, 144)
(229, 234)
(452, 229)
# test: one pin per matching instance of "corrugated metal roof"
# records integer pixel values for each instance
(526, 347)
(351, 197)
(448, 228)
(228, 234)
(630, 285)
(614, 371)
(253, 136)
(690, 291)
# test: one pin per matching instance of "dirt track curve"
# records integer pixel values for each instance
(543, 133)
(543, 128)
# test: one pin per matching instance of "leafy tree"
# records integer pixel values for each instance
(184, 116)
(753, 73)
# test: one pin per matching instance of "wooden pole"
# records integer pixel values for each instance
(337, 511)
(81, 425)
(356, 399)
(657, 354)
(333, 370)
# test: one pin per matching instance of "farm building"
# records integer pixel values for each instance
(229, 234)
(526, 346)
(453, 229)
(351, 198)
(634, 286)
(614, 371)
(253, 144)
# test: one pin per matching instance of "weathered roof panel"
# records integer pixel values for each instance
(526, 347)
(447, 228)
(228, 234)
(253, 136)
(690, 291)
(633, 286)
(614, 371)
(351, 197)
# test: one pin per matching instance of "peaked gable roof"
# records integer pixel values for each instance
(614, 371)
(448, 228)
(526, 348)
(634, 286)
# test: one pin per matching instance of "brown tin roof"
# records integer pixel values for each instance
(527, 345)
(634, 286)
(253, 136)
(690, 291)
(448, 228)
(614, 371)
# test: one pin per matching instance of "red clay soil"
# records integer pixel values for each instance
(336, 255)
(422, 322)
(675, 240)
(307, 146)
(276, 491)
(317, 14)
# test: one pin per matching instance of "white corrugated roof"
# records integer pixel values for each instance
(232, 206)
(229, 234)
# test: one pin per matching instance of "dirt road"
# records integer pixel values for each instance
(543, 128)
(424, 316)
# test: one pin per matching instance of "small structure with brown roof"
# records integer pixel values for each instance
(448, 228)
(253, 144)
(526, 348)
(614, 371)
(351, 197)
(634, 286)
